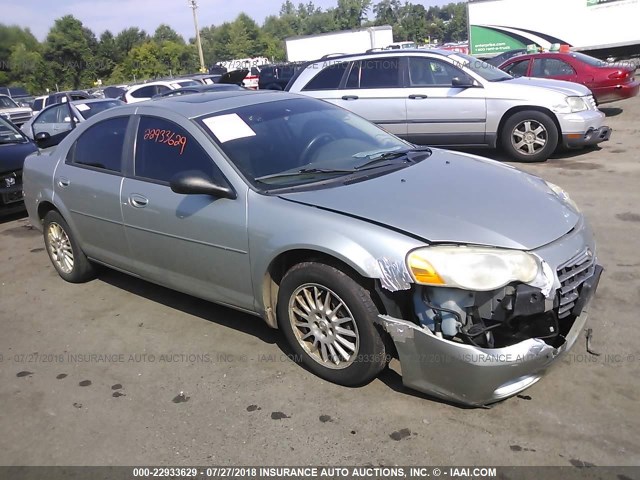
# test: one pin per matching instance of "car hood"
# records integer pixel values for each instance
(12, 155)
(454, 198)
(567, 88)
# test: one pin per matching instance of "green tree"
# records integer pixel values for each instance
(127, 40)
(68, 52)
(349, 14)
(166, 33)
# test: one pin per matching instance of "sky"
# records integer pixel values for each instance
(101, 15)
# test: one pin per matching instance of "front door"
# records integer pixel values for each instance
(197, 244)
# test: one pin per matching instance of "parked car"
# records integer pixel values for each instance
(215, 87)
(353, 242)
(56, 121)
(252, 78)
(444, 98)
(276, 77)
(609, 82)
(18, 95)
(234, 77)
(59, 97)
(503, 57)
(14, 148)
(146, 91)
(14, 112)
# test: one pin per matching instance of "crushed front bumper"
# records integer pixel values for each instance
(593, 136)
(477, 376)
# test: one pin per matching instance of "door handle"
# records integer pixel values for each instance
(417, 96)
(63, 182)
(350, 97)
(138, 201)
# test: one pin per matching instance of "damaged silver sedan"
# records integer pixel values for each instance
(356, 244)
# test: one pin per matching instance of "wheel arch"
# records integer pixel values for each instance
(524, 108)
(45, 207)
(280, 264)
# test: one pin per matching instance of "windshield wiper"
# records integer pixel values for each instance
(303, 171)
(384, 156)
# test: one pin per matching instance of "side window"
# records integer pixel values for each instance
(37, 104)
(164, 149)
(51, 115)
(375, 73)
(144, 92)
(101, 145)
(162, 89)
(551, 67)
(518, 69)
(429, 72)
(328, 79)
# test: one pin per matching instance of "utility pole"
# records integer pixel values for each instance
(194, 5)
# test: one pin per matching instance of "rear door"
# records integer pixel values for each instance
(439, 113)
(373, 88)
(89, 182)
(553, 67)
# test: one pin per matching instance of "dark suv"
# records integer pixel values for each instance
(276, 77)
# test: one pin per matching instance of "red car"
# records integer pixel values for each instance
(608, 82)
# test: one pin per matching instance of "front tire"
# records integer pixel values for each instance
(64, 252)
(529, 136)
(328, 320)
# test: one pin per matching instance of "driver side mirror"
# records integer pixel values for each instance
(43, 139)
(196, 183)
(463, 81)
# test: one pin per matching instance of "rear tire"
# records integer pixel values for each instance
(328, 320)
(64, 252)
(529, 136)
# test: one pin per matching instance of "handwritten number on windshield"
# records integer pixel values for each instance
(167, 137)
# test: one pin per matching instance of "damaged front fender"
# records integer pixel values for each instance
(467, 374)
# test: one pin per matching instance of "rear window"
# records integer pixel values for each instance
(101, 145)
(327, 79)
(594, 62)
(88, 110)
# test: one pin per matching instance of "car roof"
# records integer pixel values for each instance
(91, 100)
(379, 53)
(199, 104)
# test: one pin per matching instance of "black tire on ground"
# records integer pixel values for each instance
(370, 357)
(55, 229)
(541, 129)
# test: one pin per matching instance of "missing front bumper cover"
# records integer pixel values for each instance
(467, 374)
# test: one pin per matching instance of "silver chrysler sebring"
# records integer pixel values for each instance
(359, 246)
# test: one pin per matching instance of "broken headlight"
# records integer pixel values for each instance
(471, 268)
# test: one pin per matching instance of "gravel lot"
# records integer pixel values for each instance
(244, 402)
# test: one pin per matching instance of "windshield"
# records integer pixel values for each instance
(299, 141)
(6, 102)
(9, 133)
(486, 71)
(88, 110)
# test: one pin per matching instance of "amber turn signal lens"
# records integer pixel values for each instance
(424, 272)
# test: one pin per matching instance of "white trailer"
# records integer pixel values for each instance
(605, 26)
(313, 47)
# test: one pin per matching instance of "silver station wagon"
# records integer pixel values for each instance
(358, 245)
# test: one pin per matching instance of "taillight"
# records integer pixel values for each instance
(619, 75)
